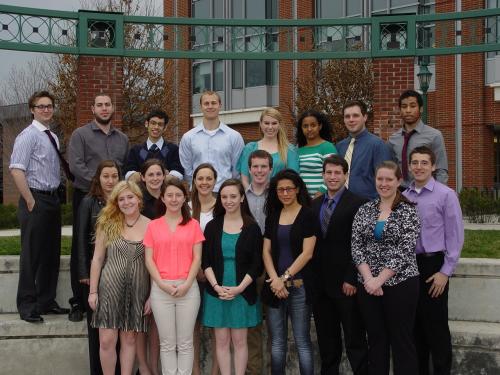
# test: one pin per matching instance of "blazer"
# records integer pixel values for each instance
(332, 262)
(304, 226)
(169, 155)
(89, 210)
(248, 256)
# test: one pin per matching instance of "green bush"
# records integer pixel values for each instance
(479, 206)
(8, 216)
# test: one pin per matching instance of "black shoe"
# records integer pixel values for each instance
(76, 314)
(32, 318)
(56, 309)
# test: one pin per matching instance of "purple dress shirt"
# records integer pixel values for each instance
(442, 225)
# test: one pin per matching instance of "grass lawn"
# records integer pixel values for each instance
(12, 245)
(478, 244)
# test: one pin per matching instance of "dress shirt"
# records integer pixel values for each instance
(425, 135)
(88, 146)
(442, 225)
(369, 152)
(256, 202)
(336, 198)
(34, 154)
(221, 148)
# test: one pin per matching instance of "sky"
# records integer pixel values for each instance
(11, 59)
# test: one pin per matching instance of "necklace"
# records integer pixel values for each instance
(135, 222)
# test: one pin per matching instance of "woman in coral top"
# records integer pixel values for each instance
(173, 256)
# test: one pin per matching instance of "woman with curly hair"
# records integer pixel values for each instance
(275, 141)
(314, 140)
(119, 280)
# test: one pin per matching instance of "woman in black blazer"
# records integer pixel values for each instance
(289, 241)
(232, 261)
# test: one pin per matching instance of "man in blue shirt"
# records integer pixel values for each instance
(362, 150)
(212, 142)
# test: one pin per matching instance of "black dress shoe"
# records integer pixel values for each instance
(32, 318)
(58, 310)
(75, 314)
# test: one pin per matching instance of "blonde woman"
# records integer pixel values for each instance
(119, 280)
(274, 141)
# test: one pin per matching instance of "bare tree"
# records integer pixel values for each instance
(332, 84)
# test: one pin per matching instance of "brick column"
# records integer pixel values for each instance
(99, 75)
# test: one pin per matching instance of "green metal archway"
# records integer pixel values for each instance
(113, 34)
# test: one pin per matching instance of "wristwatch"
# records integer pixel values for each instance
(286, 276)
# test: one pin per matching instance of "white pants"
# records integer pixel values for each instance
(175, 318)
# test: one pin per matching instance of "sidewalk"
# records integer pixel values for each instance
(66, 230)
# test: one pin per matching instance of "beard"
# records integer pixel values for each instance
(103, 121)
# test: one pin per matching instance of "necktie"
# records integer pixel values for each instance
(64, 163)
(326, 214)
(404, 153)
(348, 158)
(154, 148)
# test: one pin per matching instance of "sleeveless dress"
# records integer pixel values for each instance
(236, 313)
(123, 288)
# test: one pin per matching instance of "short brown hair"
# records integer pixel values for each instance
(425, 151)
(356, 103)
(210, 92)
(40, 94)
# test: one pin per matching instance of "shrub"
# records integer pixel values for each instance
(479, 206)
(8, 216)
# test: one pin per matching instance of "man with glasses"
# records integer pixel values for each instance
(155, 147)
(35, 168)
(438, 250)
(89, 145)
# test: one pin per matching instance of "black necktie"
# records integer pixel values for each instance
(326, 215)
(154, 148)
(64, 163)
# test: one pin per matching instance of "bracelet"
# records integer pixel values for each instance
(92, 293)
(213, 286)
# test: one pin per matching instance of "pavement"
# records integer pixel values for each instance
(67, 229)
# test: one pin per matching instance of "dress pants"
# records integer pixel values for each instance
(40, 254)
(389, 321)
(76, 287)
(432, 333)
(329, 314)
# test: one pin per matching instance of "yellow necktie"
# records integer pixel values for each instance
(348, 158)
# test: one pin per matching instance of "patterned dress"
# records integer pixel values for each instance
(123, 288)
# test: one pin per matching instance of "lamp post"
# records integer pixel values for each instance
(424, 78)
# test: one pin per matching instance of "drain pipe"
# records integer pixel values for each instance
(458, 103)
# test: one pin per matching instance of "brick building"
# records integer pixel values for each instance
(461, 95)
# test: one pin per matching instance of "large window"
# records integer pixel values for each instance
(238, 74)
(493, 27)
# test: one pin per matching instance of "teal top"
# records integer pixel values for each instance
(236, 313)
(379, 229)
(311, 165)
(292, 159)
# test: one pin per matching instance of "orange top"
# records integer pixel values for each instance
(173, 251)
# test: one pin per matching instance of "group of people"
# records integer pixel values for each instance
(362, 236)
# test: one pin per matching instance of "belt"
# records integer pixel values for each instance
(430, 255)
(45, 192)
(296, 283)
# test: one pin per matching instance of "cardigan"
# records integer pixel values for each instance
(304, 226)
(248, 256)
(396, 249)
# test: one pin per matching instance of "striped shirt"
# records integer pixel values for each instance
(311, 165)
(35, 155)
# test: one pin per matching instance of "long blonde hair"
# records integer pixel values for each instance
(111, 219)
(281, 136)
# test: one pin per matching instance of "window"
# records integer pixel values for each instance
(493, 27)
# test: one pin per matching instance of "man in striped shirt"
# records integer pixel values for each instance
(35, 168)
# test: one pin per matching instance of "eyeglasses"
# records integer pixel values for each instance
(287, 190)
(154, 123)
(43, 107)
(422, 163)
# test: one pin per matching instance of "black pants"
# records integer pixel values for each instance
(389, 321)
(40, 254)
(76, 287)
(432, 333)
(329, 314)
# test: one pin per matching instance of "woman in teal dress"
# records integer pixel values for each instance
(274, 140)
(314, 139)
(232, 260)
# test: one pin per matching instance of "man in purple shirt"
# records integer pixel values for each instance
(438, 250)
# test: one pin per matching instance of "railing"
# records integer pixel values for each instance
(113, 34)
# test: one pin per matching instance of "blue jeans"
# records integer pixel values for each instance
(277, 319)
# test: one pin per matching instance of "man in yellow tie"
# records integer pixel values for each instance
(362, 150)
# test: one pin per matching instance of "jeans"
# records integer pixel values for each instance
(277, 319)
